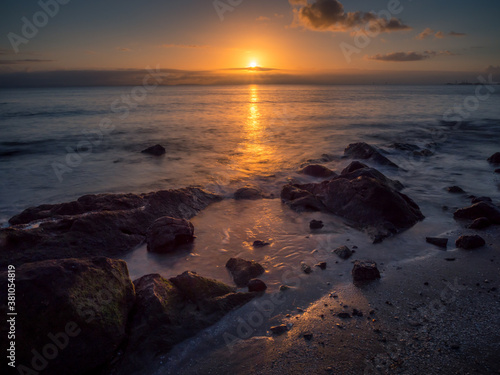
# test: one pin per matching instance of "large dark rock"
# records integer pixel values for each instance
(72, 314)
(470, 242)
(169, 311)
(438, 241)
(316, 224)
(243, 270)
(104, 224)
(156, 150)
(364, 196)
(168, 233)
(478, 210)
(481, 223)
(256, 285)
(365, 270)
(495, 158)
(316, 170)
(364, 151)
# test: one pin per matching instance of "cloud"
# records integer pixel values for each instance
(23, 61)
(277, 15)
(428, 32)
(494, 70)
(409, 56)
(329, 15)
(122, 49)
(182, 46)
(262, 19)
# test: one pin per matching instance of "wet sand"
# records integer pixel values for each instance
(429, 316)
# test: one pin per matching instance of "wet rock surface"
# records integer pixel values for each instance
(156, 150)
(365, 151)
(470, 242)
(365, 270)
(318, 171)
(243, 270)
(248, 193)
(167, 233)
(364, 196)
(256, 285)
(495, 158)
(438, 241)
(316, 224)
(103, 224)
(479, 210)
(80, 305)
(343, 252)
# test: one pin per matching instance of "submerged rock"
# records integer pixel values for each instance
(103, 224)
(470, 242)
(495, 158)
(364, 196)
(156, 150)
(321, 265)
(75, 309)
(256, 285)
(364, 151)
(455, 190)
(478, 210)
(365, 270)
(343, 252)
(480, 223)
(316, 224)
(248, 193)
(305, 268)
(243, 270)
(167, 312)
(259, 243)
(316, 170)
(168, 233)
(441, 242)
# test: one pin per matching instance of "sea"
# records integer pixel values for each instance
(57, 144)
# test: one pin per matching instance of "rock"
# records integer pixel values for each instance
(167, 312)
(356, 312)
(497, 170)
(344, 315)
(365, 270)
(354, 166)
(405, 147)
(343, 252)
(480, 223)
(481, 199)
(248, 193)
(424, 152)
(321, 265)
(305, 268)
(495, 158)
(364, 151)
(455, 190)
(278, 330)
(316, 224)
(81, 305)
(318, 171)
(470, 242)
(308, 336)
(365, 197)
(259, 243)
(478, 210)
(256, 285)
(441, 242)
(156, 150)
(104, 224)
(243, 270)
(168, 233)
(284, 287)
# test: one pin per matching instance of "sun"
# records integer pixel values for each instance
(253, 64)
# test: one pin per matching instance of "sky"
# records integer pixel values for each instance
(93, 42)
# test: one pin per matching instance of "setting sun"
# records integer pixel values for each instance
(253, 64)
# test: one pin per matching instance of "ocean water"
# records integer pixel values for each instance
(222, 138)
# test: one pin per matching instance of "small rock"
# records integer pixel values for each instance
(156, 150)
(321, 265)
(470, 242)
(343, 252)
(243, 270)
(480, 223)
(278, 330)
(356, 312)
(441, 242)
(284, 287)
(248, 193)
(365, 270)
(450, 259)
(455, 190)
(308, 336)
(481, 199)
(316, 170)
(306, 268)
(316, 224)
(260, 243)
(167, 233)
(344, 315)
(256, 285)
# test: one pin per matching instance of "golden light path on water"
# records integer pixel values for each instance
(257, 153)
